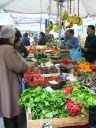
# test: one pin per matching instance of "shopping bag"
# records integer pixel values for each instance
(75, 54)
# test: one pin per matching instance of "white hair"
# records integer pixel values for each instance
(8, 32)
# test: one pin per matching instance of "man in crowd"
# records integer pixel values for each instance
(70, 41)
(90, 44)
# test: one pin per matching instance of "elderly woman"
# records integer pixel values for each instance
(11, 65)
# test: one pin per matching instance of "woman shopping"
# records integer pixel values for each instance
(11, 65)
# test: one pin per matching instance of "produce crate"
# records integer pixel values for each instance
(57, 122)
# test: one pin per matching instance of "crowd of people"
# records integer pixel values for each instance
(13, 65)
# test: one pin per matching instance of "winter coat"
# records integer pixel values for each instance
(90, 43)
(11, 65)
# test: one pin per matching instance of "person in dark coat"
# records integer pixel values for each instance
(19, 45)
(42, 39)
(26, 40)
(90, 44)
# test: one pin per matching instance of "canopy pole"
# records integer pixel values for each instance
(41, 15)
(59, 6)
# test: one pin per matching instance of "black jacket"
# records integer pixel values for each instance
(90, 43)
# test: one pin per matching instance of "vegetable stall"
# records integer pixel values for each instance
(58, 91)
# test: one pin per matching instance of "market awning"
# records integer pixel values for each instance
(87, 7)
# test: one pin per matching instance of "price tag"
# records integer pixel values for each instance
(49, 89)
(53, 82)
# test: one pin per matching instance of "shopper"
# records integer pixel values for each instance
(70, 41)
(90, 44)
(11, 65)
(42, 38)
(19, 45)
(26, 40)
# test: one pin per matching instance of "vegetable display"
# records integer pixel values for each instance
(48, 70)
(73, 98)
(88, 80)
(44, 104)
(57, 103)
(39, 55)
(74, 107)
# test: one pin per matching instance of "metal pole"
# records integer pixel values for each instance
(60, 12)
(41, 15)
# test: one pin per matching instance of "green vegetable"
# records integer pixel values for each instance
(39, 55)
(44, 104)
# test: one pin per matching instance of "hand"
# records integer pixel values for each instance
(30, 66)
(85, 49)
(69, 44)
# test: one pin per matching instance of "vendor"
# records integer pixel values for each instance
(11, 65)
(90, 44)
(70, 41)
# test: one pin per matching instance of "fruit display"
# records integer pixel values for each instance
(71, 19)
(85, 66)
(33, 78)
(50, 27)
(65, 61)
(57, 28)
(31, 49)
(70, 24)
(64, 15)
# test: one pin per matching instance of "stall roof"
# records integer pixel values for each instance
(87, 7)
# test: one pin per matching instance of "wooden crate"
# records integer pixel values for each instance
(57, 122)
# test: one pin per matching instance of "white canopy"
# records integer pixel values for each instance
(87, 7)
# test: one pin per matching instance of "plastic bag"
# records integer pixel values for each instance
(75, 54)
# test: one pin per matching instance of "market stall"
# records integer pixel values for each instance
(55, 92)
(60, 91)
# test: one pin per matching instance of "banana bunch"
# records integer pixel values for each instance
(80, 21)
(64, 15)
(57, 27)
(70, 24)
(69, 18)
(50, 27)
(77, 20)
(74, 20)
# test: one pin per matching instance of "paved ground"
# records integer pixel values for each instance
(1, 123)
